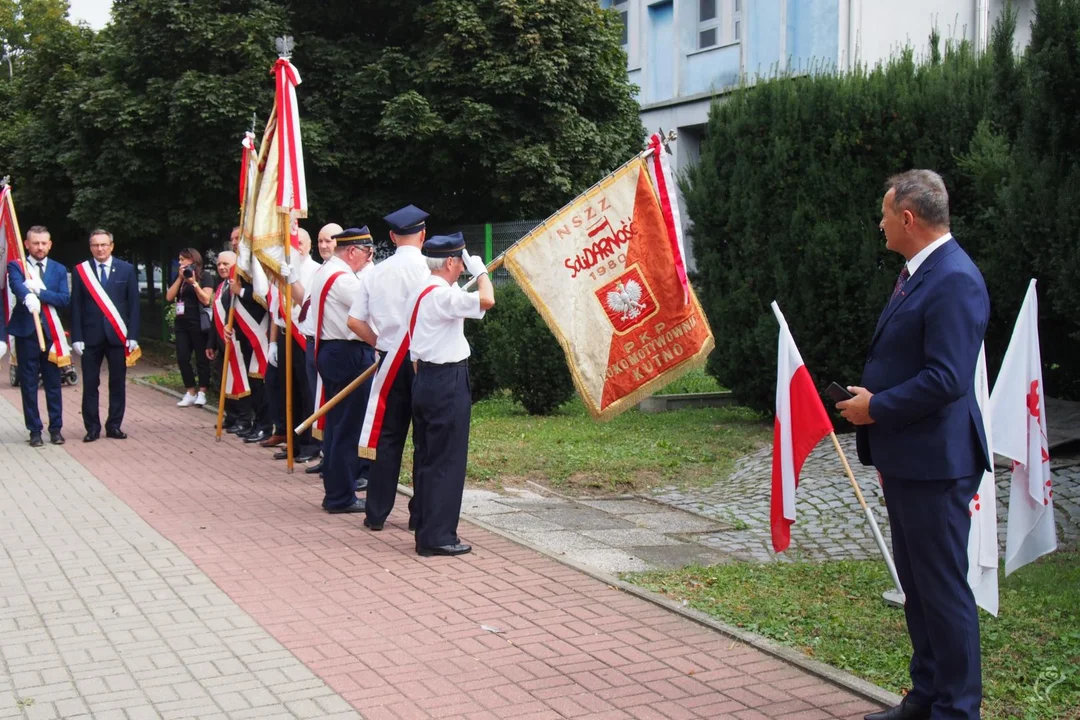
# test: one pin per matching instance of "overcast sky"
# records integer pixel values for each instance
(94, 12)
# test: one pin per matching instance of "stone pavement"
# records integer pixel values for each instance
(172, 576)
(830, 525)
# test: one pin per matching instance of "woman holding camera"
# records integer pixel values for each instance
(192, 325)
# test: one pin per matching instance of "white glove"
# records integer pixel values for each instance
(34, 285)
(3, 349)
(132, 345)
(474, 264)
(32, 304)
(78, 347)
(285, 270)
(271, 355)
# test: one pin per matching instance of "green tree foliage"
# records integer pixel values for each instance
(489, 109)
(786, 199)
(157, 118)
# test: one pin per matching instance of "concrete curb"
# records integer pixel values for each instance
(858, 686)
(862, 688)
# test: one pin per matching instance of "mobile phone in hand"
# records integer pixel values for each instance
(838, 393)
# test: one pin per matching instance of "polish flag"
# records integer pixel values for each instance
(801, 422)
(982, 549)
(1018, 417)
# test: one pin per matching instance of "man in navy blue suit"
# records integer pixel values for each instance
(47, 285)
(919, 424)
(98, 321)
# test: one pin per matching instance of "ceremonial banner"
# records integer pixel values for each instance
(603, 274)
(9, 240)
(246, 265)
(236, 380)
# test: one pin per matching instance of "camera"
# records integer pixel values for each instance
(188, 272)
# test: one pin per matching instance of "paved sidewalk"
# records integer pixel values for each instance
(504, 632)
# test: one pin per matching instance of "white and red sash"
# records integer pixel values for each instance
(384, 380)
(255, 332)
(320, 390)
(277, 306)
(236, 380)
(60, 352)
(108, 309)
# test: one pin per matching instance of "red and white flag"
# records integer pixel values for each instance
(801, 422)
(1018, 418)
(663, 177)
(982, 537)
(9, 240)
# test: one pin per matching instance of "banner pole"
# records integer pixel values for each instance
(329, 404)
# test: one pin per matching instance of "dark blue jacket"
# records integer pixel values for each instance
(921, 369)
(55, 294)
(88, 323)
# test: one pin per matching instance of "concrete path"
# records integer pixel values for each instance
(172, 576)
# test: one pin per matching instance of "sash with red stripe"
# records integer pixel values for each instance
(236, 380)
(320, 389)
(383, 381)
(108, 309)
(277, 306)
(255, 332)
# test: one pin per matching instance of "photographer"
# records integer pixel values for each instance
(192, 325)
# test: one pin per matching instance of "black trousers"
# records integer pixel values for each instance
(930, 521)
(115, 356)
(303, 403)
(190, 341)
(310, 373)
(386, 468)
(442, 409)
(232, 407)
(254, 408)
(340, 362)
(32, 363)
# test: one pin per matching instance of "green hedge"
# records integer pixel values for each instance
(786, 198)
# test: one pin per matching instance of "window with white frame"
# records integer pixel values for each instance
(719, 22)
(623, 8)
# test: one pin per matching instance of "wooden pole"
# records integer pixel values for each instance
(225, 365)
(329, 404)
(869, 514)
(26, 268)
(289, 449)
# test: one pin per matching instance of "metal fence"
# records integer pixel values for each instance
(489, 240)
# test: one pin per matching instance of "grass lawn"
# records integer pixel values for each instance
(570, 451)
(834, 613)
(695, 381)
(170, 379)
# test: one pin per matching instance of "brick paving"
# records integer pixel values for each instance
(504, 632)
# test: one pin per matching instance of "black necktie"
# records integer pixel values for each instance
(41, 271)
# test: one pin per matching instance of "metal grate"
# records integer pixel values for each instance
(503, 235)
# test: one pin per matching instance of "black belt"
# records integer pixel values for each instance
(459, 363)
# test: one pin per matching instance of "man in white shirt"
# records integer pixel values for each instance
(380, 316)
(442, 401)
(341, 357)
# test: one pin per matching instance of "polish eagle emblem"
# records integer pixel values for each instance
(625, 300)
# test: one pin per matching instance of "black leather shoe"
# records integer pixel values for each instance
(116, 434)
(904, 711)
(461, 549)
(281, 455)
(356, 507)
(257, 436)
(56, 438)
(361, 484)
(372, 526)
(314, 469)
(35, 439)
(239, 428)
(306, 457)
(91, 436)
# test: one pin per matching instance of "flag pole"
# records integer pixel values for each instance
(497, 262)
(22, 259)
(289, 450)
(329, 404)
(889, 596)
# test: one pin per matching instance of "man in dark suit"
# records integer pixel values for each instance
(919, 424)
(45, 285)
(94, 331)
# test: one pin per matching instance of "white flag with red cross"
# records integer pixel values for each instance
(982, 537)
(1018, 418)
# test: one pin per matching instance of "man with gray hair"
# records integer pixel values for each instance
(919, 424)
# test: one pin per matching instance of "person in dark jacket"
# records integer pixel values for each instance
(192, 325)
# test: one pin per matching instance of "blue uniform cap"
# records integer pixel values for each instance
(354, 236)
(409, 220)
(444, 246)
